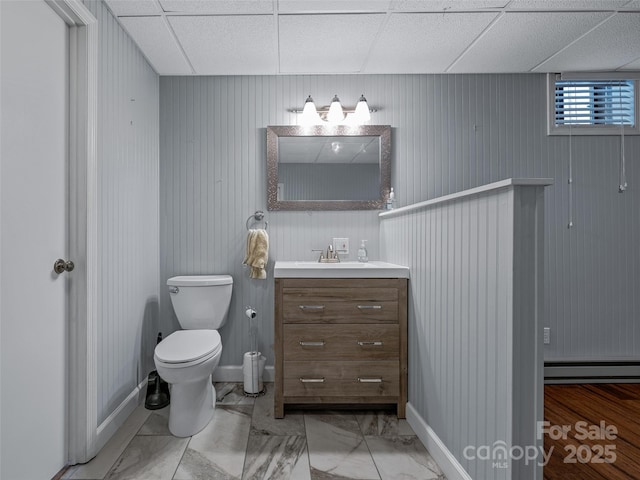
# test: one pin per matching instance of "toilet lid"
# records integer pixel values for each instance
(188, 345)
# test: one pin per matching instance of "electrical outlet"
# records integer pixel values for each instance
(547, 335)
(341, 245)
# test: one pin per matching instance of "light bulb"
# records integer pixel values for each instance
(309, 113)
(362, 112)
(335, 115)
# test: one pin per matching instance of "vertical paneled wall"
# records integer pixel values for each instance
(450, 133)
(475, 358)
(462, 131)
(213, 177)
(128, 223)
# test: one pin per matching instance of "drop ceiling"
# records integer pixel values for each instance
(273, 37)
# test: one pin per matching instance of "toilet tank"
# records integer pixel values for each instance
(201, 301)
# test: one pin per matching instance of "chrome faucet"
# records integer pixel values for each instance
(331, 255)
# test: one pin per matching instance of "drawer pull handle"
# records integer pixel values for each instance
(369, 380)
(312, 380)
(311, 307)
(366, 344)
(312, 344)
(370, 307)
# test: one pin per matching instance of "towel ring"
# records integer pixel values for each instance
(258, 216)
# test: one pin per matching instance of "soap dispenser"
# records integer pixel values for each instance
(362, 252)
(391, 200)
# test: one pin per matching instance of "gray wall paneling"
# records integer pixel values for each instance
(128, 223)
(450, 133)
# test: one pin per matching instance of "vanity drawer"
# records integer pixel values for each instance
(329, 305)
(341, 342)
(338, 379)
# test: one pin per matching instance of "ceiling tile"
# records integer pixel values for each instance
(634, 5)
(424, 42)
(532, 38)
(567, 4)
(446, 5)
(134, 7)
(228, 45)
(323, 6)
(613, 44)
(326, 43)
(218, 7)
(153, 36)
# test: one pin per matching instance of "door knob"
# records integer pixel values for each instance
(61, 266)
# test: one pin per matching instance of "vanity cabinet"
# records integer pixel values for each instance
(340, 341)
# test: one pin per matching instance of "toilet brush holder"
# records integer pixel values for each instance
(252, 370)
(158, 395)
(157, 392)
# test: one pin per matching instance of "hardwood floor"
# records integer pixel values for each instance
(592, 450)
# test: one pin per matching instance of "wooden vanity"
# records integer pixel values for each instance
(340, 341)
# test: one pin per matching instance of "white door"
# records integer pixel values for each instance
(33, 234)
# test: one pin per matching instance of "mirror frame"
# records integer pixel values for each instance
(275, 132)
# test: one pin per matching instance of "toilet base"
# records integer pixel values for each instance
(192, 406)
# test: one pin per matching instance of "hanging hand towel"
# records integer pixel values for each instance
(257, 254)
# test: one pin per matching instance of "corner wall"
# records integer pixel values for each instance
(475, 336)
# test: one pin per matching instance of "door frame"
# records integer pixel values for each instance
(82, 419)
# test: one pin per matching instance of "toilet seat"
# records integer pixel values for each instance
(188, 347)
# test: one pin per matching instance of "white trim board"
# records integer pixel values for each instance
(509, 182)
(119, 416)
(438, 450)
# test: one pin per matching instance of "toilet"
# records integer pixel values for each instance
(187, 358)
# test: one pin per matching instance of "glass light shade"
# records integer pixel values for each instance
(335, 115)
(362, 112)
(309, 113)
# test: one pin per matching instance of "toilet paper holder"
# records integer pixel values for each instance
(253, 361)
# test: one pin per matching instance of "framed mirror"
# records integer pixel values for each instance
(328, 167)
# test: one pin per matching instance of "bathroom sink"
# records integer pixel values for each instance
(311, 269)
(333, 265)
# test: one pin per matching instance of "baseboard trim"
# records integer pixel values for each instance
(591, 372)
(438, 450)
(117, 418)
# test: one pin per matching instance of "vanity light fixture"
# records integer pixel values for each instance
(334, 113)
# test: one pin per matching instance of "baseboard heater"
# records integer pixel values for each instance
(592, 372)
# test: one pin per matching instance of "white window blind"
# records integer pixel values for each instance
(594, 102)
(598, 106)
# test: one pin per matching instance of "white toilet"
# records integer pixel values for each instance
(186, 358)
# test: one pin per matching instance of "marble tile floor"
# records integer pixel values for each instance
(244, 442)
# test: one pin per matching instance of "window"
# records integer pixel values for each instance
(592, 107)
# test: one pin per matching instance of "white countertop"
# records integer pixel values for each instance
(310, 269)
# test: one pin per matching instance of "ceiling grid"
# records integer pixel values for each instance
(267, 37)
